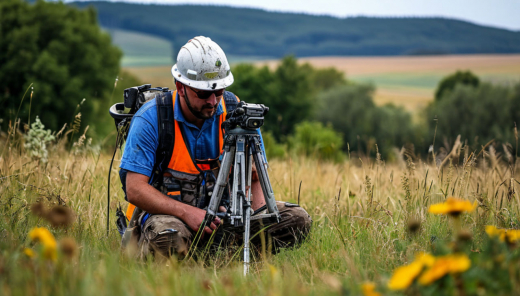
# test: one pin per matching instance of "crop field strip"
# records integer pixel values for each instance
(410, 81)
(407, 81)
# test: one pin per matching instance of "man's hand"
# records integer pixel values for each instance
(195, 218)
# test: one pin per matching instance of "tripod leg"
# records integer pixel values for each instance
(222, 178)
(261, 169)
(247, 215)
(239, 186)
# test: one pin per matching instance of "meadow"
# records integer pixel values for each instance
(442, 223)
(370, 217)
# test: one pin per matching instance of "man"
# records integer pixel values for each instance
(174, 207)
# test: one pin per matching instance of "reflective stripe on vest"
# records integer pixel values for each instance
(181, 160)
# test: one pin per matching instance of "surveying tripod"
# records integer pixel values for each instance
(241, 146)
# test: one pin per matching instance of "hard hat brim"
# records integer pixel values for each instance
(203, 85)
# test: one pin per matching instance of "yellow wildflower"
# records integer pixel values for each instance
(28, 252)
(452, 206)
(45, 237)
(513, 235)
(456, 263)
(403, 276)
(425, 258)
(459, 263)
(492, 231)
(368, 289)
(507, 235)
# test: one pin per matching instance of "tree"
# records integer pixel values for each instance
(62, 52)
(478, 114)
(294, 99)
(448, 83)
(289, 91)
(325, 78)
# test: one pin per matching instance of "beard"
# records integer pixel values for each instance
(206, 112)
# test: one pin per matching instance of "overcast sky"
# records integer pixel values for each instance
(497, 13)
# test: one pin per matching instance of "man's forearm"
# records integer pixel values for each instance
(149, 199)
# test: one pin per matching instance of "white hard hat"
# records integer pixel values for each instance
(202, 64)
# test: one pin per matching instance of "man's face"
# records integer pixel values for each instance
(203, 104)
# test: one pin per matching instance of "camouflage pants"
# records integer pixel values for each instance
(164, 235)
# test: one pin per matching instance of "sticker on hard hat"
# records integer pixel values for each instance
(218, 63)
(192, 74)
(211, 75)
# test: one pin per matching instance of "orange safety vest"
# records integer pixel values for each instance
(181, 161)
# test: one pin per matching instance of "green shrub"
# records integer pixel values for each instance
(316, 140)
(351, 111)
(272, 148)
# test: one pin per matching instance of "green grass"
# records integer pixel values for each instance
(356, 237)
(402, 80)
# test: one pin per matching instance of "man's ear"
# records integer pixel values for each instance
(180, 89)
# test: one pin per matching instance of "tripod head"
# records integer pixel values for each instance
(247, 116)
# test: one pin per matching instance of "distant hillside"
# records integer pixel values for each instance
(254, 32)
(142, 49)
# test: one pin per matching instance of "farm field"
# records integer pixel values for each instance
(410, 81)
(141, 49)
(407, 81)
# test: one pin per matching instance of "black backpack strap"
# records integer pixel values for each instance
(231, 101)
(166, 123)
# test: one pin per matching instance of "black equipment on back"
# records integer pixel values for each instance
(134, 98)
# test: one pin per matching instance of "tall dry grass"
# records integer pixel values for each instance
(361, 210)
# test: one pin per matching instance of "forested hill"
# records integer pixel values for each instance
(255, 32)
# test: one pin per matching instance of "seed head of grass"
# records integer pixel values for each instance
(69, 247)
(414, 225)
(60, 216)
(39, 209)
(464, 235)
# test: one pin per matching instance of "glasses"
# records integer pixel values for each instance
(204, 94)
